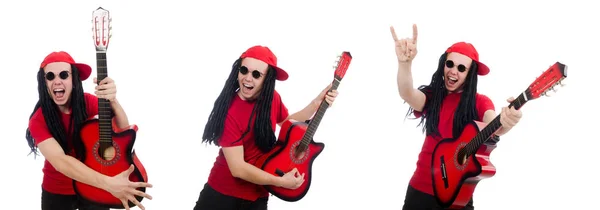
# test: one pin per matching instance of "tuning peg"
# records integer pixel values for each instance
(549, 94)
(562, 83)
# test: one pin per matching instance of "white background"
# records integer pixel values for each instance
(170, 60)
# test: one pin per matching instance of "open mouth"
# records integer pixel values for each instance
(248, 87)
(59, 93)
(452, 80)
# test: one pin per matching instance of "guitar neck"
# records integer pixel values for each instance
(314, 123)
(104, 109)
(485, 133)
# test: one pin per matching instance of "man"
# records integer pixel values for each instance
(444, 106)
(242, 123)
(54, 128)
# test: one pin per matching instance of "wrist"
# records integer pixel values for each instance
(103, 181)
(277, 181)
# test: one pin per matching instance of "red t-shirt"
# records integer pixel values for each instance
(236, 123)
(421, 179)
(54, 181)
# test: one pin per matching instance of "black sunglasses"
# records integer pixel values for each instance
(63, 75)
(256, 74)
(460, 67)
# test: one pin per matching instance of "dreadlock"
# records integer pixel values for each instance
(436, 92)
(263, 132)
(52, 116)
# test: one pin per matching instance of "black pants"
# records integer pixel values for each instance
(210, 199)
(52, 201)
(417, 200)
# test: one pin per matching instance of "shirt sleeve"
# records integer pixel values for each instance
(91, 103)
(283, 112)
(419, 114)
(37, 127)
(483, 103)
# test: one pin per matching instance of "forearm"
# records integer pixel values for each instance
(75, 169)
(255, 175)
(306, 113)
(404, 79)
(120, 117)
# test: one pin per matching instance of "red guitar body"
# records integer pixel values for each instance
(458, 164)
(295, 147)
(123, 141)
(461, 179)
(283, 159)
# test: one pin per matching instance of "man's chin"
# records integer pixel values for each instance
(60, 102)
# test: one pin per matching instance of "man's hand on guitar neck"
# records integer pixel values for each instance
(509, 117)
(327, 95)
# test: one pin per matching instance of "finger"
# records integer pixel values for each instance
(393, 33)
(140, 184)
(102, 92)
(106, 86)
(125, 204)
(141, 194)
(415, 33)
(402, 46)
(106, 80)
(411, 48)
(294, 171)
(332, 93)
(511, 122)
(95, 80)
(129, 170)
(136, 202)
(329, 99)
(510, 99)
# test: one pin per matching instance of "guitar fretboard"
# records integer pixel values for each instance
(104, 109)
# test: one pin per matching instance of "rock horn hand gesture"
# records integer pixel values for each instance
(406, 49)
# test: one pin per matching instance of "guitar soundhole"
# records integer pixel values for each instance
(459, 160)
(296, 157)
(106, 156)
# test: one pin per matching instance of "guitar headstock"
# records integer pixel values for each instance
(101, 28)
(548, 81)
(342, 63)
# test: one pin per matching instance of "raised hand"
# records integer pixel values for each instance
(406, 49)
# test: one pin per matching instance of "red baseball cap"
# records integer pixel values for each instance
(264, 54)
(469, 50)
(84, 70)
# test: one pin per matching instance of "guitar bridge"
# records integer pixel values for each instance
(279, 172)
(443, 169)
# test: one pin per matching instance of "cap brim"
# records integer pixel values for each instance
(482, 69)
(282, 75)
(84, 70)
